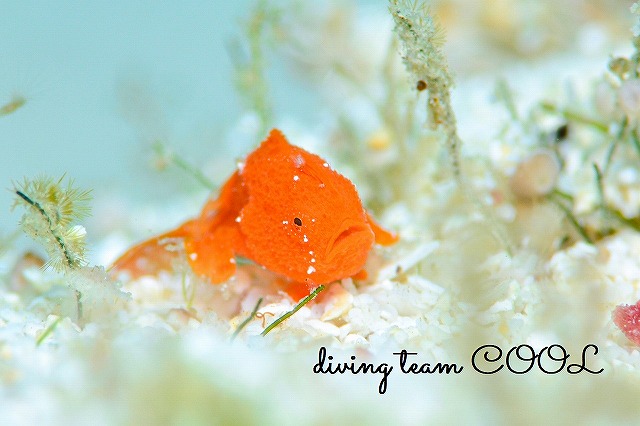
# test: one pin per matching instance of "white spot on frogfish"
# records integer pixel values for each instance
(311, 270)
(296, 178)
(305, 239)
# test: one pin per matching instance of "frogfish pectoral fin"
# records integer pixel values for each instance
(360, 276)
(296, 289)
(382, 236)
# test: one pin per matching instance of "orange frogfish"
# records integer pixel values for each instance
(285, 209)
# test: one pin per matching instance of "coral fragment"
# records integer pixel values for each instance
(627, 318)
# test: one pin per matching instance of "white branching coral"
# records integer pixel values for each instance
(51, 211)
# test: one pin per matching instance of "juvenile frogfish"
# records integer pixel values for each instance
(285, 209)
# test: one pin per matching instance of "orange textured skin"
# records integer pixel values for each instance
(285, 209)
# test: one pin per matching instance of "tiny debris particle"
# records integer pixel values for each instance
(13, 105)
(379, 140)
(193, 256)
(297, 221)
(296, 178)
(238, 219)
(311, 270)
(325, 164)
(240, 166)
(421, 85)
(305, 239)
(562, 132)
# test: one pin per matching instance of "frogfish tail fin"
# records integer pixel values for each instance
(150, 256)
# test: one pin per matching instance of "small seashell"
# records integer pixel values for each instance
(535, 176)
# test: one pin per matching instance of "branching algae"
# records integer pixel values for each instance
(51, 212)
(422, 40)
